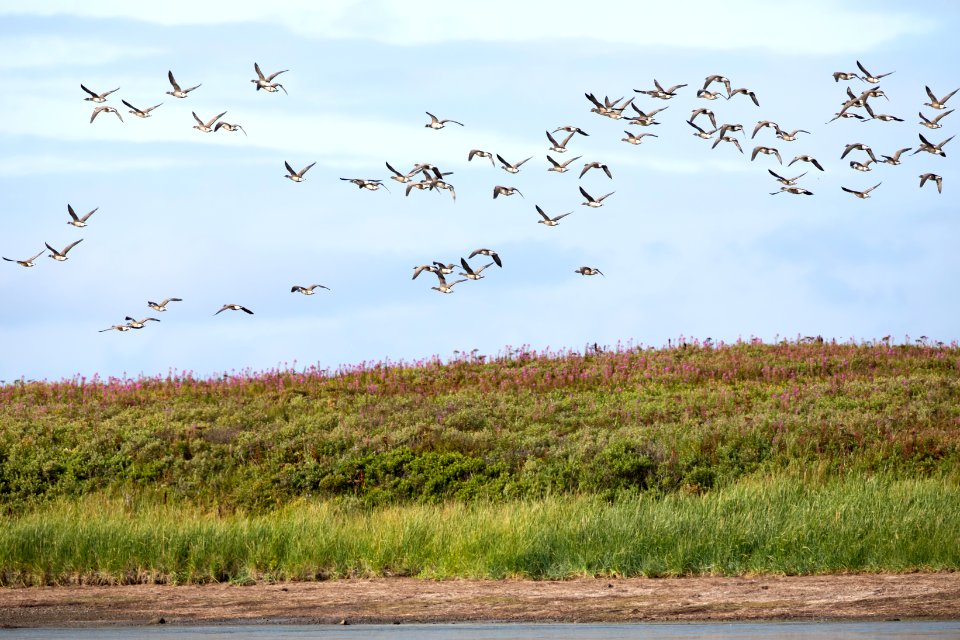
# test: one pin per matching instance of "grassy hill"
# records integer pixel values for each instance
(678, 428)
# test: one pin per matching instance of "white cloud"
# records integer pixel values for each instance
(742, 24)
(42, 51)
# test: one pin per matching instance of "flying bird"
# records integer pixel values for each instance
(436, 123)
(481, 154)
(594, 202)
(940, 103)
(234, 307)
(102, 109)
(511, 168)
(770, 151)
(806, 158)
(102, 97)
(569, 128)
(138, 324)
(140, 113)
(266, 82)
(935, 123)
(929, 147)
(659, 92)
(442, 285)
(638, 137)
(746, 92)
(28, 262)
(559, 147)
(786, 181)
(205, 127)
(490, 253)
(794, 189)
(596, 165)
(472, 274)
(308, 290)
(547, 220)
(869, 77)
(505, 191)
(933, 177)
(296, 176)
(226, 126)
(162, 306)
(560, 167)
(76, 221)
(589, 271)
(61, 256)
(863, 195)
(177, 91)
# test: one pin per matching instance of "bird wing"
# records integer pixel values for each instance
(86, 217)
(97, 96)
(210, 124)
(275, 74)
(71, 246)
(197, 118)
(551, 139)
(586, 195)
(72, 213)
(306, 168)
(289, 168)
(176, 87)
(865, 72)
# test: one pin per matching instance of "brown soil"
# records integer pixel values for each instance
(406, 600)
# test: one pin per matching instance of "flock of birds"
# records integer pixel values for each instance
(430, 177)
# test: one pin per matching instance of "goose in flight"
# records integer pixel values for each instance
(432, 268)
(481, 154)
(705, 112)
(266, 82)
(637, 138)
(296, 176)
(308, 290)
(861, 166)
(561, 167)
(592, 202)
(857, 146)
(746, 92)
(559, 147)
(895, 158)
(140, 113)
(77, 221)
(436, 123)
(138, 324)
(402, 178)
(794, 189)
(701, 133)
(716, 78)
(162, 306)
(589, 271)
(234, 307)
(729, 139)
(938, 103)
(102, 109)
(365, 183)
(869, 77)
(500, 190)
(709, 95)
(935, 123)
(442, 285)
(863, 195)
(646, 119)
(845, 75)
(806, 158)
(596, 165)
(659, 92)
(117, 327)
(205, 127)
(490, 253)
(764, 124)
(770, 151)
(472, 274)
(61, 256)
(26, 263)
(929, 147)
(935, 178)
(789, 136)
(786, 181)
(882, 117)
(102, 97)
(226, 126)
(547, 220)
(177, 91)
(569, 128)
(511, 168)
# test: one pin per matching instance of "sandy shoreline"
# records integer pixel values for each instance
(406, 600)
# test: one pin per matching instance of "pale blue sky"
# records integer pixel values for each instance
(691, 243)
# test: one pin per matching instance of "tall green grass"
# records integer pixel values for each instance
(765, 525)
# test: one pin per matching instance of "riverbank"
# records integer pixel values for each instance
(408, 600)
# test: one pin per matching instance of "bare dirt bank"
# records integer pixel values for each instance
(406, 600)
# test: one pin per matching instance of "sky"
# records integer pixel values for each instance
(691, 243)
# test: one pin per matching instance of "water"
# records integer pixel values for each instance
(657, 631)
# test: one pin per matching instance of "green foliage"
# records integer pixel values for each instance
(765, 525)
(690, 418)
